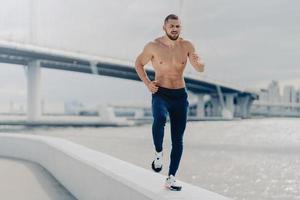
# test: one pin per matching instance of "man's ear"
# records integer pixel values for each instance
(164, 27)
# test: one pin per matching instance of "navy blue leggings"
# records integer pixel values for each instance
(175, 103)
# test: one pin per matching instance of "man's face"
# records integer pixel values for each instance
(172, 28)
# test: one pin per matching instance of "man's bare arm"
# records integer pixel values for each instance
(140, 62)
(194, 58)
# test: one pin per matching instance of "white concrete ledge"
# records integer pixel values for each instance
(91, 175)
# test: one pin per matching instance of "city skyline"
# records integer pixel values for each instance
(274, 93)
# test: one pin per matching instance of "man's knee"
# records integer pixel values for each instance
(177, 140)
(160, 119)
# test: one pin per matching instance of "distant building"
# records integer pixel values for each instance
(298, 96)
(263, 95)
(272, 103)
(289, 94)
(274, 92)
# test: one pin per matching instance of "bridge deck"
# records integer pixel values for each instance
(22, 54)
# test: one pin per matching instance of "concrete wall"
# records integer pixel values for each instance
(91, 175)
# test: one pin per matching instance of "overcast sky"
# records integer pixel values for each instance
(247, 43)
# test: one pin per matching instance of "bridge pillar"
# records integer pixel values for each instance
(244, 103)
(216, 106)
(94, 68)
(225, 112)
(33, 91)
(200, 106)
(228, 110)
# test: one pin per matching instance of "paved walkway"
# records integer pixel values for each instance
(25, 180)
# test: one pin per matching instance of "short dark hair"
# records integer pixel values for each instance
(171, 16)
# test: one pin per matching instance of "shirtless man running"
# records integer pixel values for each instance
(168, 55)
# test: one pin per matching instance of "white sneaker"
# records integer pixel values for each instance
(157, 162)
(171, 184)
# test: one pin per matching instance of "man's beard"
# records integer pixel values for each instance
(171, 37)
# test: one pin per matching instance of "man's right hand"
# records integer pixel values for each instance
(152, 86)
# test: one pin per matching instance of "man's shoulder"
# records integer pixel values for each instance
(186, 42)
(151, 44)
(156, 41)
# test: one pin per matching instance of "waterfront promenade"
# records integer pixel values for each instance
(25, 180)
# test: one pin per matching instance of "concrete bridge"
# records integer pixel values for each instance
(226, 101)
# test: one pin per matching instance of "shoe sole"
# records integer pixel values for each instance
(173, 188)
(156, 169)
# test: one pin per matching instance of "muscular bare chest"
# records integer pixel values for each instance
(170, 59)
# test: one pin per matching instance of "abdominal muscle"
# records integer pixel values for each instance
(172, 81)
(169, 74)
